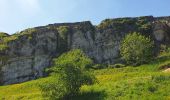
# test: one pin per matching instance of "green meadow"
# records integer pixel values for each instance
(144, 82)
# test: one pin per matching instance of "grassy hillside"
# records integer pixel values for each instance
(145, 82)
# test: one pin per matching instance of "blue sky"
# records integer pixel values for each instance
(16, 15)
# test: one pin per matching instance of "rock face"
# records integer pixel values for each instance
(29, 52)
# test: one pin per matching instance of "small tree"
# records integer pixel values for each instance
(70, 71)
(136, 49)
(74, 77)
(53, 88)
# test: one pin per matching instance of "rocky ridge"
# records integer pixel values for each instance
(25, 55)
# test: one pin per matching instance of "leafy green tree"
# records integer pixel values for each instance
(74, 77)
(53, 89)
(137, 49)
(71, 72)
(75, 57)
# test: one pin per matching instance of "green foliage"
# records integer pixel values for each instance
(3, 47)
(136, 49)
(53, 89)
(63, 31)
(143, 25)
(63, 38)
(5, 39)
(118, 23)
(28, 32)
(127, 83)
(71, 72)
(75, 57)
(2, 35)
(74, 77)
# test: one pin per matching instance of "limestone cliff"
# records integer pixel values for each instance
(25, 55)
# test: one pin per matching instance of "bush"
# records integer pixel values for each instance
(53, 89)
(63, 31)
(136, 49)
(2, 35)
(71, 72)
(75, 57)
(73, 77)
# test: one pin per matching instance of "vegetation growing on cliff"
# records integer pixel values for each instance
(144, 25)
(2, 35)
(5, 39)
(63, 32)
(117, 24)
(141, 24)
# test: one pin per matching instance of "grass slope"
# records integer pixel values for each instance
(144, 82)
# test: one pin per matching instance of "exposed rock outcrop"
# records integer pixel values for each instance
(25, 55)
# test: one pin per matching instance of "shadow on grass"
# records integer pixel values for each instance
(163, 58)
(91, 95)
(160, 59)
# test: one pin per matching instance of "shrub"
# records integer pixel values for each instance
(63, 31)
(136, 49)
(63, 37)
(53, 89)
(75, 57)
(71, 72)
(73, 77)
(2, 35)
